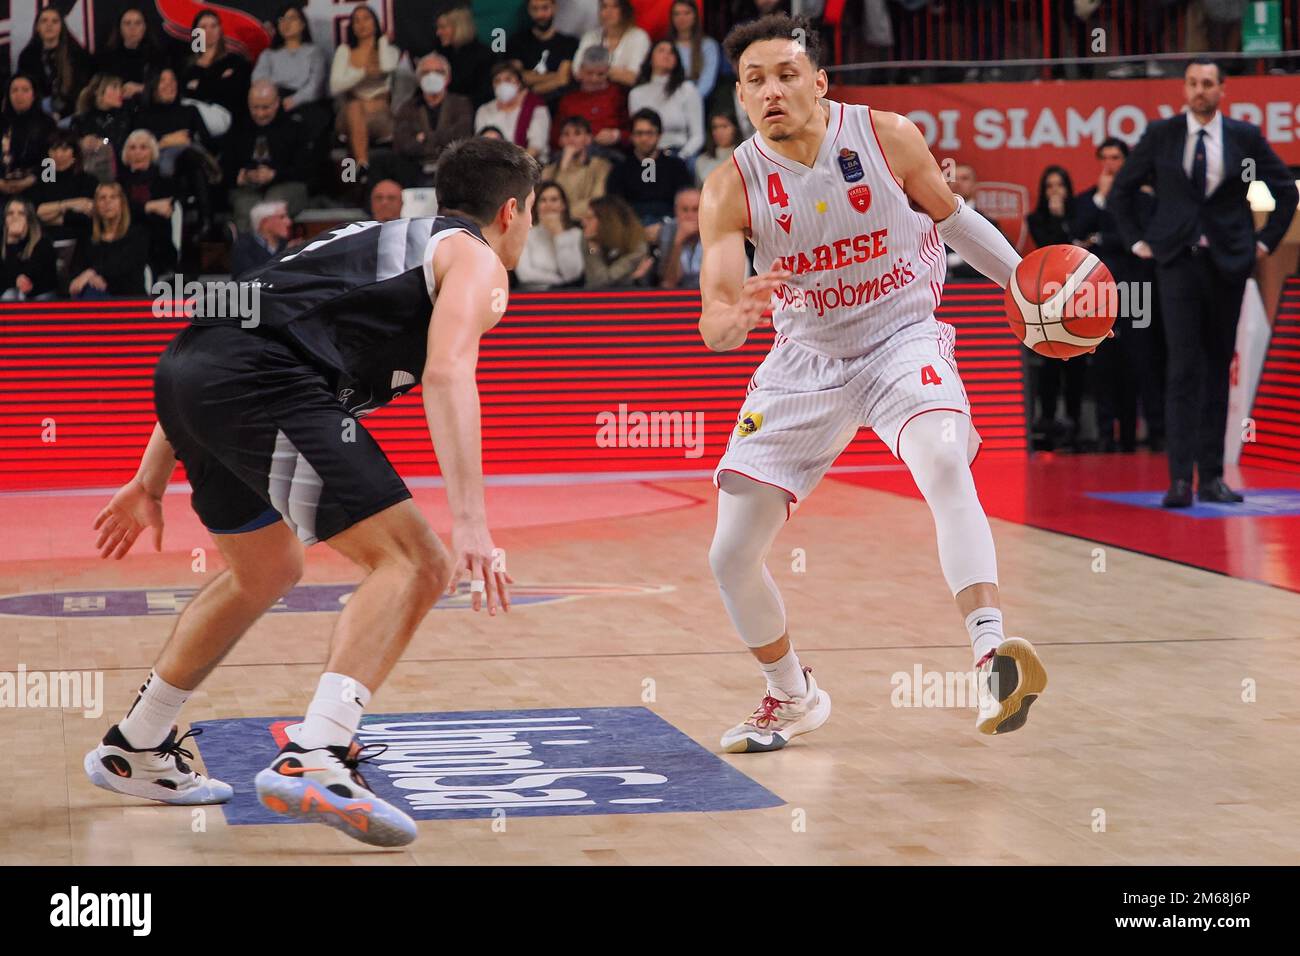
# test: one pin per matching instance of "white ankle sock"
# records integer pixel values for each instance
(786, 676)
(154, 713)
(985, 627)
(335, 712)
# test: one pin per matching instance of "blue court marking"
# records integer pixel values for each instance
(1259, 503)
(451, 766)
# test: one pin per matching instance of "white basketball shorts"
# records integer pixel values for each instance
(803, 408)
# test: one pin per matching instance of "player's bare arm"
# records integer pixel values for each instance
(472, 286)
(972, 236)
(731, 304)
(137, 504)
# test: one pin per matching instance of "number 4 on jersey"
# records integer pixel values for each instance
(930, 377)
(776, 196)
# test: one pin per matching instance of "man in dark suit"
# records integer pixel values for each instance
(1202, 237)
(1131, 366)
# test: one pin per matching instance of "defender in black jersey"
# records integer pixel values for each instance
(265, 417)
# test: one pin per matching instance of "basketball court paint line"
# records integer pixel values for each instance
(1071, 495)
(474, 764)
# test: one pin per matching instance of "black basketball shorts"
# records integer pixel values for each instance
(263, 438)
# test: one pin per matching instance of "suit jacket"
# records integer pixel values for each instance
(1109, 245)
(1180, 215)
(411, 122)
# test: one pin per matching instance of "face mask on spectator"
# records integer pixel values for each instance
(433, 83)
(505, 92)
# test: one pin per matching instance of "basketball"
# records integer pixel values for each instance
(1061, 301)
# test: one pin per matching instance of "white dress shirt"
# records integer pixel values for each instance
(1213, 149)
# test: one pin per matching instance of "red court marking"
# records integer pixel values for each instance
(45, 526)
(1050, 492)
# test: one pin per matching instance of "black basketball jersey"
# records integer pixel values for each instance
(356, 304)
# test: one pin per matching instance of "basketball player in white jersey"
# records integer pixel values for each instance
(850, 209)
(265, 420)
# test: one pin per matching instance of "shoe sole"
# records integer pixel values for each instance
(1014, 709)
(370, 821)
(127, 787)
(750, 744)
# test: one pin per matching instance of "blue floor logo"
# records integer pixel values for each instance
(150, 602)
(447, 766)
(1259, 503)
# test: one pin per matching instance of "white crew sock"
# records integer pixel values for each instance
(785, 676)
(335, 712)
(985, 627)
(154, 713)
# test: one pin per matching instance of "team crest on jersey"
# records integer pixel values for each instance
(850, 165)
(749, 423)
(860, 197)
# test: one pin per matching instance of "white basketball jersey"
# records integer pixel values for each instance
(865, 264)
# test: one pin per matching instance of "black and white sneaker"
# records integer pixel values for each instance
(1008, 680)
(155, 773)
(325, 786)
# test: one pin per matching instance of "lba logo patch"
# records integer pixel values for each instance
(850, 165)
(860, 197)
(440, 766)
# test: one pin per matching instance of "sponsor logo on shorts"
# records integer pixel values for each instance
(749, 423)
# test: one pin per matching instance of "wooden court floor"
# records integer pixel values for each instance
(1142, 750)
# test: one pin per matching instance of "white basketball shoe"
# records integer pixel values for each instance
(156, 773)
(777, 721)
(1008, 679)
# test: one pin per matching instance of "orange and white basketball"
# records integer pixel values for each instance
(1061, 301)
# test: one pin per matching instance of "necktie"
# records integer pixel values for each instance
(1198, 165)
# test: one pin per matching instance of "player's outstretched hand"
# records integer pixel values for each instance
(756, 295)
(482, 564)
(129, 512)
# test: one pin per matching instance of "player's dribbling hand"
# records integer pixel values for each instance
(756, 295)
(479, 562)
(129, 512)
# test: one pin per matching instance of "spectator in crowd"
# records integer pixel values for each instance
(299, 70)
(542, 54)
(471, 61)
(650, 196)
(1132, 366)
(386, 201)
(615, 243)
(1051, 224)
(430, 121)
(553, 255)
(102, 122)
(680, 250)
(215, 74)
(965, 183)
(27, 260)
(519, 114)
(133, 53)
(267, 237)
(579, 174)
(362, 78)
(151, 197)
(663, 87)
(626, 42)
(491, 132)
(182, 145)
(699, 53)
(744, 10)
(262, 157)
(24, 132)
(64, 202)
(722, 135)
(57, 62)
(602, 104)
(113, 260)
(1202, 236)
